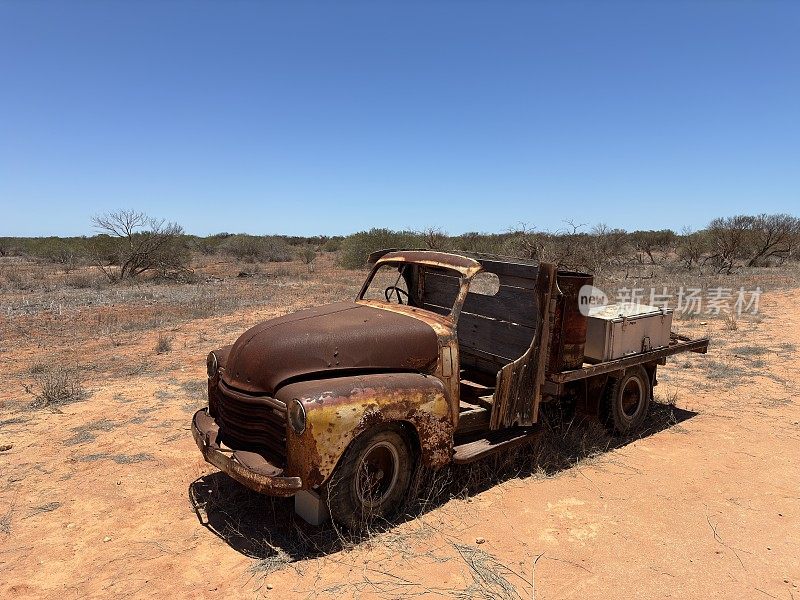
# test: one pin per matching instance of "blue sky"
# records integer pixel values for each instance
(309, 118)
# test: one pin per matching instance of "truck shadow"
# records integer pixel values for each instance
(267, 529)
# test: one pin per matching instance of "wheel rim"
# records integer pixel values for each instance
(632, 395)
(377, 474)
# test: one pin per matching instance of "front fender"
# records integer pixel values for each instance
(338, 410)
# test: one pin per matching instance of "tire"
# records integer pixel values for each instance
(371, 481)
(627, 400)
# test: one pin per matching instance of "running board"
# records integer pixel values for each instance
(494, 442)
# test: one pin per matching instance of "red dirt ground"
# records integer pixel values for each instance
(94, 500)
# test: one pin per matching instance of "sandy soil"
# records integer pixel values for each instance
(96, 500)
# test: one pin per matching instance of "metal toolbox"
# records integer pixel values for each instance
(619, 330)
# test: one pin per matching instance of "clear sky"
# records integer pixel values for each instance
(309, 118)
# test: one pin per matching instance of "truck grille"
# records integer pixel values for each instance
(256, 423)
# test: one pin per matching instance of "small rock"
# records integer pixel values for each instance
(6, 447)
(106, 539)
(70, 525)
(479, 540)
(269, 586)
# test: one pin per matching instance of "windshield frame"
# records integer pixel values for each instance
(465, 278)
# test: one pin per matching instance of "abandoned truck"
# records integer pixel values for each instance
(442, 358)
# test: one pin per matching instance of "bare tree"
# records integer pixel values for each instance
(730, 238)
(773, 235)
(573, 228)
(138, 244)
(650, 242)
(525, 242)
(434, 238)
(691, 247)
(308, 255)
(607, 247)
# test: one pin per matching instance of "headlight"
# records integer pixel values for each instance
(297, 416)
(212, 365)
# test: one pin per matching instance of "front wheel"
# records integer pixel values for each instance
(627, 400)
(372, 479)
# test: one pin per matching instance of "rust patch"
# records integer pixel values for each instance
(249, 469)
(462, 264)
(339, 410)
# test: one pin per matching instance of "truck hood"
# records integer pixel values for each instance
(336, 337)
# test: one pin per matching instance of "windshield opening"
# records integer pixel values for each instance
(423, 286)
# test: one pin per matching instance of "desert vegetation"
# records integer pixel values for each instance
(129, 244)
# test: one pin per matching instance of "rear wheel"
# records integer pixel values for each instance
(372, 479)
(627, 400)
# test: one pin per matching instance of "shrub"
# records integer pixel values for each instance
(652, 243)
(67, 252)
(253, 248)
(307, 255)
(357, 247)
(163, 343)
(332, 244)
(8, 247)
(83, 280)
(434, 238)
(752, 240)
(208, 245)
(487, 243)
(54, 386)
(692, 247)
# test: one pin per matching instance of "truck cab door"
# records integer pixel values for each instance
(519, 384)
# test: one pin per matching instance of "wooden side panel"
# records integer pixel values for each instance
(493, 330)
(500, 338)
(519, 383)
(482, 361)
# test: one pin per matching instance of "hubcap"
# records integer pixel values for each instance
(377, 474)
(632, 395)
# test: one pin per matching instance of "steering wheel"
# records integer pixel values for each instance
(388, 294)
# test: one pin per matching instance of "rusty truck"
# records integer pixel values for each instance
(441, 358)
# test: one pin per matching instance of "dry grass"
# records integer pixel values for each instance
(730, 322)
(163, 343)
(54, 386)
(751, 350)
(120, 459)
(6, 520)
(491, 579)
(50, 303)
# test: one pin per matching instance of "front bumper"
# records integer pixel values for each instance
(248, 468)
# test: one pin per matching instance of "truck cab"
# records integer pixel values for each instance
(440, 358)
